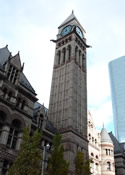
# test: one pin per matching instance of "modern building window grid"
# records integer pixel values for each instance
(117, 81)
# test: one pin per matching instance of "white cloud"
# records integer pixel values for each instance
(102, 114)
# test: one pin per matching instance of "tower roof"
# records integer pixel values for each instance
(105, 136)
(69, 19)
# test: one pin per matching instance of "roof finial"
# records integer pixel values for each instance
(72, 11)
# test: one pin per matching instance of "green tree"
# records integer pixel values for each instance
(82, 166)
(29, 159)
(56, 163)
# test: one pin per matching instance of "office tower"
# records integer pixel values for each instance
(117, 82)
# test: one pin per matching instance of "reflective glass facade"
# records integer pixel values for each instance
(117, 82)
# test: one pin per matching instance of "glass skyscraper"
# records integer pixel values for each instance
(117, 82)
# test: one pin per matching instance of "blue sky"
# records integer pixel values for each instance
(28, 26)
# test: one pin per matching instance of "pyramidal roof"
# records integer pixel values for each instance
(105, 136)
(70, 18)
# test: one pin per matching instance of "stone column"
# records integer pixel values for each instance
(20, 135)
(4, 135)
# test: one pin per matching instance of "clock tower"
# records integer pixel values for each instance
(68, 98)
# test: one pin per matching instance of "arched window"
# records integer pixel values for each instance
(76, 50)
(59, 57)
(69, 54)
(64, 54)
(79, 56)
(12, 74)
(89, 136)
(92, 154)
(96, 166)
(108, 166)
(97, 157)
(13, 134)
(83, 61)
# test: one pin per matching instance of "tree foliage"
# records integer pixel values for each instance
(82, 166)
(56, 164)
(29, 159)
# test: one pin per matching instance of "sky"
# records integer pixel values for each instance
(28, 26)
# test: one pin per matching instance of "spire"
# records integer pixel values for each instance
(105, 136)
(70, 18)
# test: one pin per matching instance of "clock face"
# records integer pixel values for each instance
(78, 30)
(66, 30)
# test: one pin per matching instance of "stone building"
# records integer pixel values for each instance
(68, 98)
(119, 153)
(101, 150)
(18, 108)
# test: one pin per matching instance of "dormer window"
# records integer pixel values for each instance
(12, 74)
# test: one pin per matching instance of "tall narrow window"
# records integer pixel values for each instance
(23, 104)
(108, 166)
(69, 49)
(9, 95)
(96, 166)
(13, 134)
(59, 57)
(5, 92)
(79, 56)
(64, 55)
(83, 61)
(5, 167)
(12, 74)
(76, 50)
(18, 102)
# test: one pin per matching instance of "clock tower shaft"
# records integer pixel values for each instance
(68, 98)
